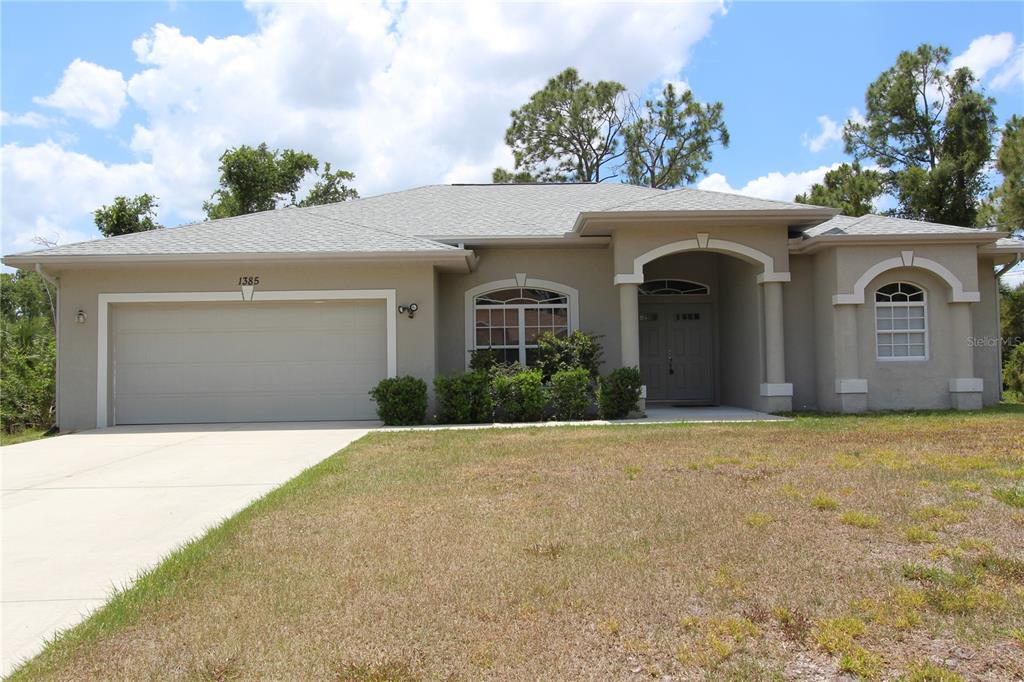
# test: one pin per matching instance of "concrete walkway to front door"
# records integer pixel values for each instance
(86, 512)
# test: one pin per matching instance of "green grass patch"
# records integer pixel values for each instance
(859, 519)
(1013, 496)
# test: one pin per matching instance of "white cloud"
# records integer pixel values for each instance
(49, 191)
(1012, 72)
(90, 92)
(830, 132)
(774, 185)
(400, 93)
(984, 54)
(44, 233)
(29, 119)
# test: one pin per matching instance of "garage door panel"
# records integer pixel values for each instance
(213, 362)
(338, 377)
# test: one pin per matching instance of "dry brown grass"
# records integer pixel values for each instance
(686, 551)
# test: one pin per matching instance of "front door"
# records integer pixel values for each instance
(675, 351)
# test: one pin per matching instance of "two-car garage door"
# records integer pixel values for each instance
(247, 361)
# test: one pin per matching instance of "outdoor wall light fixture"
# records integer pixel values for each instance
(81, 317)
(408, 309)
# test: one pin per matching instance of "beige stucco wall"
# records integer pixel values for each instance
(434, 342)
(632, 240)
(799, 298)
(588, 270)
(740, 333)
(413, 282)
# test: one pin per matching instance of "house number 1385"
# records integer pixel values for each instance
(249, 280)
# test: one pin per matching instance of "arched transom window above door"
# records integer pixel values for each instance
(673, 287)
(509, 320)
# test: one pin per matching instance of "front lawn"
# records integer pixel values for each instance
(881, 546)
(23, 436)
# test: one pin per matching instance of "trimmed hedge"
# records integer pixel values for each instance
(464, 398)
(401, 401)
(619, 393)
(571, 393)
(520, 397)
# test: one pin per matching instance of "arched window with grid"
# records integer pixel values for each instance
(508, 321)
(901, 322)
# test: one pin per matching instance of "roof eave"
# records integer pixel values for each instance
(29, 260)
(797, 217)
(812, 244)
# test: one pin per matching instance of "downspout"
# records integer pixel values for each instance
(55, 309)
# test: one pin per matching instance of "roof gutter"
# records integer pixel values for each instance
(25, 261)
(813, 244)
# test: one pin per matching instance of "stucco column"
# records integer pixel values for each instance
(964, 388)
(851, 389)
(629, 321)
(776, 394)
(774, 343)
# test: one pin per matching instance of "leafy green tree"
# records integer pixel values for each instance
(1005, 208)
(568, 129)
(503, 176)
(931, 132)
(27, 352)
(849, 188)
(669, 142)
(330, 188)
(255, 179)
(127, 215)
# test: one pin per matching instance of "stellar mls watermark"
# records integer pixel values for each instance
(993, 341)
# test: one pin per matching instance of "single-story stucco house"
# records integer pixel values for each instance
(293, 314)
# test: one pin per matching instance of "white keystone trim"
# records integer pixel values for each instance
(966, 385)
(776, 390)
(105, 300)
(851, 385)
(907, 259)
(706, 242)
(520, 280)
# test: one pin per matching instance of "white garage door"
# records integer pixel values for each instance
(247, 361)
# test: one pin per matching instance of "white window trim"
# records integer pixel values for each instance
(923, 304)
(105, 300)
(516, 283)
(707, 288)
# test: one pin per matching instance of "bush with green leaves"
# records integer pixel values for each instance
(571, 393)
(28, 352)
(619, 393)
(1013, 370)
(401, 401)
(577, 350)
(519, 397)
(464, 398)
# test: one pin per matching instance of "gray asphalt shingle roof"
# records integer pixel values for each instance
(450, 211)
(871, 224)
(410, 221)
(689, 199)
(287, 231)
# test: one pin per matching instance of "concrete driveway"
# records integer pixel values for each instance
(86, 512)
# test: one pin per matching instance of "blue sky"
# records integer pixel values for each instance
(101, 99)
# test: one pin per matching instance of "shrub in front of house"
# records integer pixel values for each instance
(577, 350)
(464, 398)
(571, 393)
(401, 401)
(519, 397)
(619, 393)
(1013, 371)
